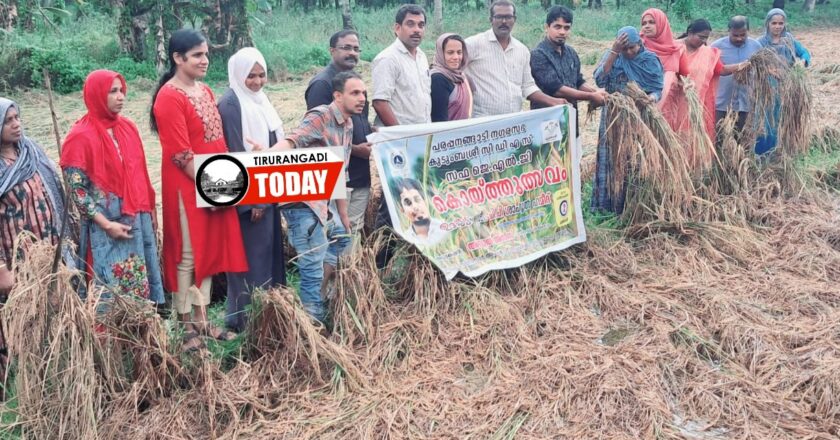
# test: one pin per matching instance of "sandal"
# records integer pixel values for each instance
(192, 342)
(216, 333)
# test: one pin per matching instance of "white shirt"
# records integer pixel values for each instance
(403, 80)
(435, 235)
(502, 77)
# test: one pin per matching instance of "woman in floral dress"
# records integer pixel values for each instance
(105, 167)
(31, 206)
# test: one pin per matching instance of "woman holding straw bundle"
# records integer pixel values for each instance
(197, 242)
(782, 42)
(705, 69)
(248, 116)
(628, 60)
(105, 168)
(658, 38)
(31, 203)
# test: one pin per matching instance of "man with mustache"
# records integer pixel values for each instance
(402, 86)
(345, 50)
(500, 67)
(556, 67)
(737, 47)
(423, 230)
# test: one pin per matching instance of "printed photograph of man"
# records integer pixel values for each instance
(423, 230)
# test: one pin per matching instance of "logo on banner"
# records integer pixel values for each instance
(551, 131)
(398, 160)
(253, 178)
(222, 181)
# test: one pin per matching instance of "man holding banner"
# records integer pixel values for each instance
(313, 230)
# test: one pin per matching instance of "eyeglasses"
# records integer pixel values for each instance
(348, 48)
(504, 17)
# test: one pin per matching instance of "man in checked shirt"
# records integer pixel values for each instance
(313, 230)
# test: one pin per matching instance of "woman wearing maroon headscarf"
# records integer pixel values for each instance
(105, 167)
(658, 38)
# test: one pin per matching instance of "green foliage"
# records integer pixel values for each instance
(67, 70)
(684, 9)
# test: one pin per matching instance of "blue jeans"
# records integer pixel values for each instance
(316, 245)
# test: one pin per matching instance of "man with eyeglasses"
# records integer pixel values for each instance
(402, 87)
(500, 67)
(345, 50)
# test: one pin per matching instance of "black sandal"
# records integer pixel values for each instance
(190, 336)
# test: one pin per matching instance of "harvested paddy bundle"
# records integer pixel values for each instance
(360, 302)
(781, 99)
(795, 118)
(699, 148)
(648, 161)
(52, 339)
(731, 172)
(137, 355)
(287, 348)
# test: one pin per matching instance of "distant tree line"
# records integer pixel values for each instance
(226, 22)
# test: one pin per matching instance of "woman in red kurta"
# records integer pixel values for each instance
(197, 242)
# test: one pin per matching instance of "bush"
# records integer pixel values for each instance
(67, 69)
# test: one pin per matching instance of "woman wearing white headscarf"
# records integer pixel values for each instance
(248, 117)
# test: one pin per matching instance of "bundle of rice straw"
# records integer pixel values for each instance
(286, 347)
(52, 339)
(647, 157)
(776, 88)
(698, 146)
(731, 172)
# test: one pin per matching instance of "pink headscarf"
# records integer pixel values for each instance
(662, 43)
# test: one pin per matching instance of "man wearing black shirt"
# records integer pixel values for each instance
(345, 50)
(556, 67)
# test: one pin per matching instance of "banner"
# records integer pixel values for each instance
(484, 194)
(298, 175)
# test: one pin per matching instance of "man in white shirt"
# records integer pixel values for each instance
(401, 83)
(500, 67)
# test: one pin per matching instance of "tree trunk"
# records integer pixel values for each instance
(779, 4)
(808, 6)
(439, 16)
(133, 26)
(226, 25)
(161, 60)
(346, 15)
(8, 14)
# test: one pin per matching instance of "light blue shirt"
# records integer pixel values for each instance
(729, 93)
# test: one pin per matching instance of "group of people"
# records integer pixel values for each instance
(491, 73)
(655, 61)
